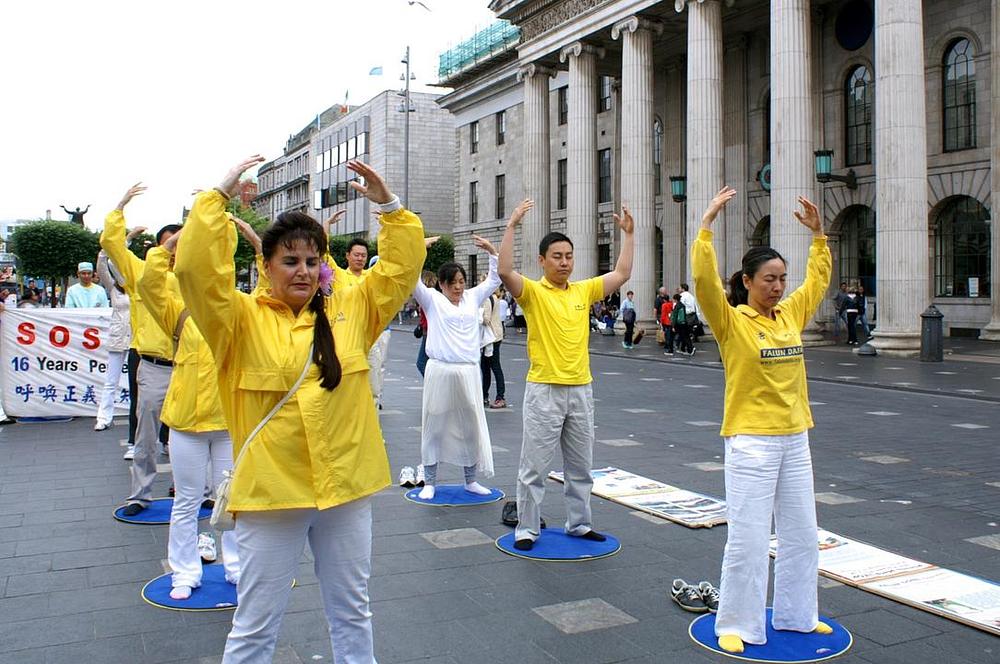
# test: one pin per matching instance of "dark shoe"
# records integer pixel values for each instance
(208, 504)
(508, 516)
(170, 491)
(593, 536)
(709, 595)
(524, 544)
(687, 597)
(132, 509)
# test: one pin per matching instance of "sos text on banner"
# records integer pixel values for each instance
(54, 362)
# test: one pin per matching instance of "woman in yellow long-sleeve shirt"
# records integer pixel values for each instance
(765, 426)
(198, 433)
(309, 473)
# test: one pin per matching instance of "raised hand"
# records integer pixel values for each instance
(809, 216)
(247, 231)
(132, 192)
(484, 244)
(625, 221)
(522, 209)
(716, 205)
(134, 233)
(170, 244)
(429, 241)
(232, 179)
(374, 188)
(333, 219)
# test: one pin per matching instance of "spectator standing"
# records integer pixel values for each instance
(117, 343)
(666, 309)
(863, 312)
(628, 317)
(838, 309)
(493, 317)
(851, 312)
(682, 329)
(86, 294)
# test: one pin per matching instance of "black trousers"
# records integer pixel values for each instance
(629, 330)
(852, 327)
(491, 368)
(683, 338)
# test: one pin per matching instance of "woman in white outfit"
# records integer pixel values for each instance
(119, 338)
(454, 421)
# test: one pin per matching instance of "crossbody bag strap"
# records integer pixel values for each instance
(179, 328)
(278, 406)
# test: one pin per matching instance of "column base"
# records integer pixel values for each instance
(896, 344)
(991, 332)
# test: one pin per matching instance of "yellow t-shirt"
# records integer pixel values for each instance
(559, 329)
(766, 392)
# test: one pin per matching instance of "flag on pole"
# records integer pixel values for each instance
(376, 71)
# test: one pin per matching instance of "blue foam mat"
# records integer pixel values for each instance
(157, 514)
(557, 546)
(781, 646)
(454, 495)
(214, 594)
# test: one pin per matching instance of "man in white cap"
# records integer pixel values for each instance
(86, 294)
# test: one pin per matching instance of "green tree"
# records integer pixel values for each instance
(244, 256)
(141, 243)
(441, 252)
(338, 249)
(53, 249)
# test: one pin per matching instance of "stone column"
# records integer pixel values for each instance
(704, 119)
(735, 134)
(792, 169)
(637, 172)
(581, 154)
(536, 163)
(901, 174)
(992, 331)
(674, 244)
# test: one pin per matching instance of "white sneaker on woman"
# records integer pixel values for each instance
(206, 548)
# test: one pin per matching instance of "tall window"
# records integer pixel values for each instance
(761, 233)
(858, 97)
(473, 269)
(501, 127)
(657, 155)
(563, 105)
(604, 94)
(561, 184)
(857, 247)
(962, 249)
(959, 96)
(604, 176)
(767, 129)
(473, 202)
(474, 138)
(501, 199)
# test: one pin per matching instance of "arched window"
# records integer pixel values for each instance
(959, 96)
(658, 154)
(761, 233)
(962, 249)
(857, 247)
(858, 107)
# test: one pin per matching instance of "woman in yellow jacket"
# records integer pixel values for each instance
(310, 472)
(198, 433)
(765, 426)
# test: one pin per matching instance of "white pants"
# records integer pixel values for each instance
(376, 364)
(768, 475)
(116, 360)
(190, 455)
(270, 545)
(556, 416)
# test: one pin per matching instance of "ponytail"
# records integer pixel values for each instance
(738, 293)
(752, 261)
(324, 349)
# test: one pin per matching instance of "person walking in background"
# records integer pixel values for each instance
(493, 318)
(86, 294)
(839, 317)
(766, 422)
(117, 343)
(681, 327)
(666, 309)
(628, 317)
(851, 312)
(862, 302)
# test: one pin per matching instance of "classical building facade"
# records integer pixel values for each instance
(604, 102)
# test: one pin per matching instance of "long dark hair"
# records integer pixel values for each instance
(752, 260)
(289, 228)
(448, 272)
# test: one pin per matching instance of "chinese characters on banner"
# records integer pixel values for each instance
(54, 362)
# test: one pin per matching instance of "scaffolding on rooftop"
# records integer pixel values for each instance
(486, 43)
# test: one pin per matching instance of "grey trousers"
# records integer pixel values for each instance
(556, 416)
(153, 381)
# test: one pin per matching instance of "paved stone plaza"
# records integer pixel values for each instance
(911, 466)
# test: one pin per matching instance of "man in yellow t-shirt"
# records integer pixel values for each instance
(558, 398)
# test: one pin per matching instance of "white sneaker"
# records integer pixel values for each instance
(406, 478)
(129, 453)
(103, 425)
(206, 548)
(420, 474)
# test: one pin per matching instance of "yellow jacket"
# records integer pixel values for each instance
(324, 448)
(766, 391)
(345, 278)
(147, 336)
(192, 401)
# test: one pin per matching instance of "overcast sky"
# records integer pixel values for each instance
(99, 95)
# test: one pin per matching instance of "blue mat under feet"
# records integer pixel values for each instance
(781, 646)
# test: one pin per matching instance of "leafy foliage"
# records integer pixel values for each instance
(53, 249)
(441, 252)
(338, 249)
(141, 243)
(244, 256)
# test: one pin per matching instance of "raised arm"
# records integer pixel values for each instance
(482, 292)
(705, 269)
(512, 279)
(205, 268)
(802, 303)
(114, 244)
(423, 293)
(623, 266)
(162, 303)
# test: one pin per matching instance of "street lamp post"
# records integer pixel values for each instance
(406, 110)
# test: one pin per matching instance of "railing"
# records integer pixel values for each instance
(495, 39)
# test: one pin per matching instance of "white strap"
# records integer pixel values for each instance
(277, 407)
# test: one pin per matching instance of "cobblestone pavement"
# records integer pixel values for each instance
(914, 472)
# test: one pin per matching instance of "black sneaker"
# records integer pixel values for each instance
(687, 597)
(132, 509)
(508, 516)
(709, 595)
(208, 504)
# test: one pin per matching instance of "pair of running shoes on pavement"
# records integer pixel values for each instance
(702, 598)
(409, 478)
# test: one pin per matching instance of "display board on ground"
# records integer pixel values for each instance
(694, 510)
(961, 597)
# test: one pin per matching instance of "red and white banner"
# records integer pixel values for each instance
(55, 361)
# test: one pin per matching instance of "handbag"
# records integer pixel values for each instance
(661, 336)
(222, 518)
(418, 332)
